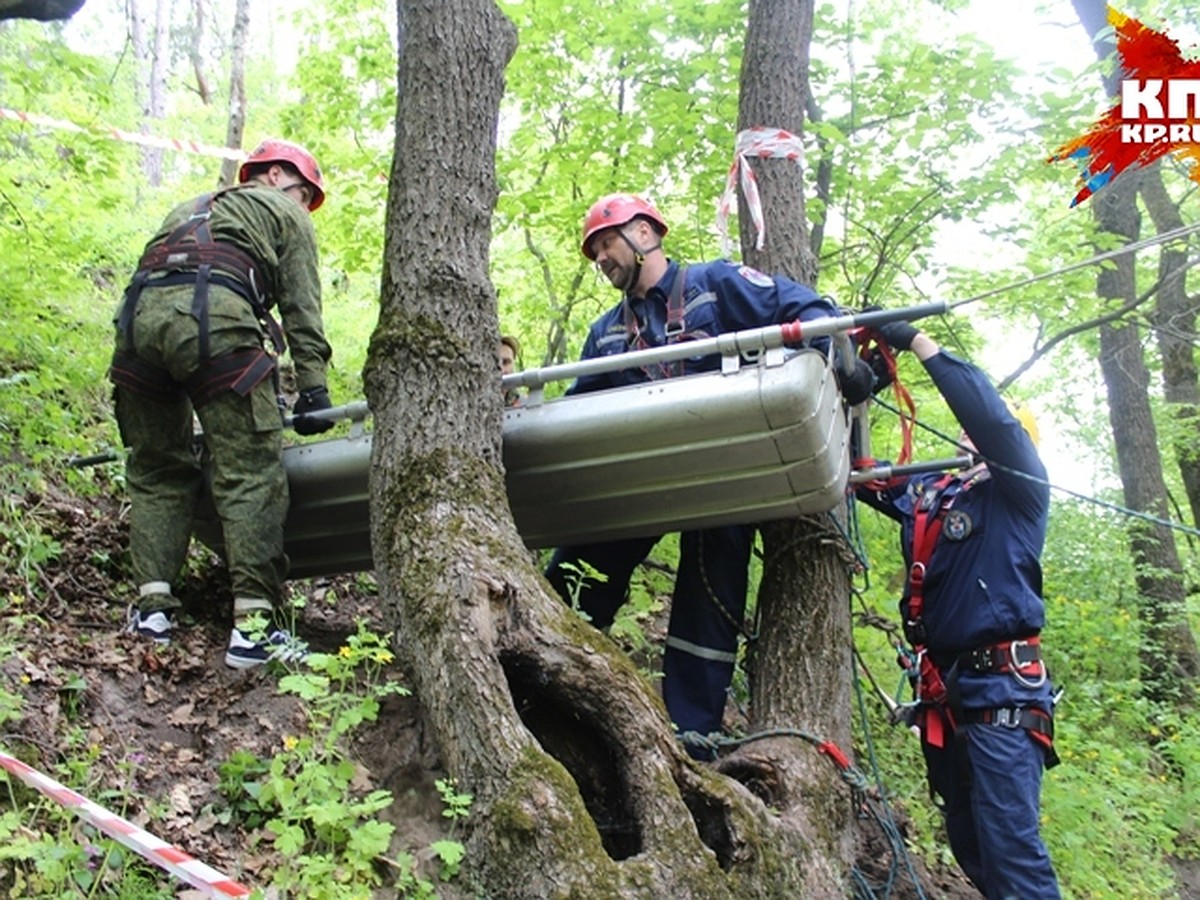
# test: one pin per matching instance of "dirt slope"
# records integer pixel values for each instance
(157, 722)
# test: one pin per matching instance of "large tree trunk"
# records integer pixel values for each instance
(1169, 657)
(800, 664)
(580, 786)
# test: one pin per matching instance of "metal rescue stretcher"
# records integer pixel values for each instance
(765, 437)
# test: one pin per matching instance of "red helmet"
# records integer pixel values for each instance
(612, 212)
(274, 150)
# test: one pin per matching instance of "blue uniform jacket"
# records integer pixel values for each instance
(719, 297)
(983, 582)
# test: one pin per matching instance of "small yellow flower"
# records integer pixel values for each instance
(344, 651)
(383, 657)
(290, 742)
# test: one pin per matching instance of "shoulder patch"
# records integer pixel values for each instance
(756, 277)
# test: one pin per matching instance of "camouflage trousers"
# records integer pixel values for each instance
(242, 438)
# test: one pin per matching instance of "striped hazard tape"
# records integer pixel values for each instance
(129, 137)
(164, 855)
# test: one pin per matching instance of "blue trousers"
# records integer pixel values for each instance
(990, 780)
(707, 606)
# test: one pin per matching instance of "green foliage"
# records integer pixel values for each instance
(45, 850)
(308, 796)
(458, 807)
(51, 863)
(601, 100)
(930, 135)
(577, 578)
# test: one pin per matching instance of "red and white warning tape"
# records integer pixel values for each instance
(164, 855)
(763, 143)
(129, 137)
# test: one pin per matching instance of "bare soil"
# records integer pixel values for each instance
(158, 722)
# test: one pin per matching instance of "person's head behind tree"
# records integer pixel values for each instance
(510, 351)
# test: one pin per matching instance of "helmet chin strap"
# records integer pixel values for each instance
(639, 259)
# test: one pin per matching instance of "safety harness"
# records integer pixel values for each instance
(189, 255)
(939, 707)
(675, 329)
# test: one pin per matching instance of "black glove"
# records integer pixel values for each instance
(899, 335)
(879, 366)
(856, 387)
(311, 400)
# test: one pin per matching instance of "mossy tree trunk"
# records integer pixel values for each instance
(801, 664)
(580, 786)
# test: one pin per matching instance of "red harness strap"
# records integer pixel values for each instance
(1019, 657)
(675, 329)
(931, 689)
(871, 345)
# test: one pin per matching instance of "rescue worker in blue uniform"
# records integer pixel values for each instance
(663, 302)
(973, 611)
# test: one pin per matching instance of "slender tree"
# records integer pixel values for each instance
(236, 125)
(1169, 657)
(800, 672)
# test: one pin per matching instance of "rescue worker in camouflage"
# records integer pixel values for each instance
(195, 334)
(663, 301)
(973, 612)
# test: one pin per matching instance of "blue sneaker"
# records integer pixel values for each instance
(245, 652)
(154, 625)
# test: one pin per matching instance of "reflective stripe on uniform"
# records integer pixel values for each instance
(702, 652)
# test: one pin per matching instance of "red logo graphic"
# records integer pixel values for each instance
(1158, 111)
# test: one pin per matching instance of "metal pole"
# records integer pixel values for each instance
(749, 342)
(355, 412)
(860, 476)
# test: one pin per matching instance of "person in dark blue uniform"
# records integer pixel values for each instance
(663, 302)
(973, 612)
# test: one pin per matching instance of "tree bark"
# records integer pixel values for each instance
(151, 54)
(801, 664)
(1175, 327)
(196, 52)
(580, 786)
(1169, 658)
(236, 126)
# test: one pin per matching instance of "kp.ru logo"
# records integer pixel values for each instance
(1158, 112)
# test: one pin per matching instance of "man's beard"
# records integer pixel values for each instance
(619, 276)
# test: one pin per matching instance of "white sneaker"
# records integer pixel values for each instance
(153, 625)
(245, 653)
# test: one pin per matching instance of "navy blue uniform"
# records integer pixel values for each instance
(710, 589)
(983, 586)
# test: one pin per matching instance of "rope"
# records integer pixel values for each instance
(1165, 237)
(1095, 501)
(877, 810)
(883, 815)
(716, 742)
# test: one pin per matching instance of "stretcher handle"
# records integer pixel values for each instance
(750, 341)
(861, 476)
(355, 412)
